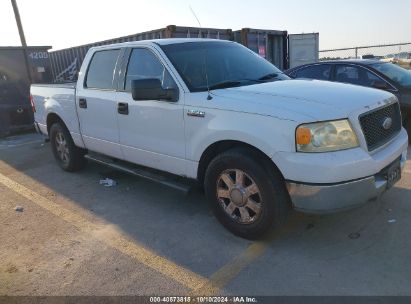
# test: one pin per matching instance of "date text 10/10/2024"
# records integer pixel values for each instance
(205, 299)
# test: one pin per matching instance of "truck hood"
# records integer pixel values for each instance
(311, 99)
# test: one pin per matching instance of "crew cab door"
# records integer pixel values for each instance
(96, 103)
(151, 131)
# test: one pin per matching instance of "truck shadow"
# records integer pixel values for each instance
(181, 227)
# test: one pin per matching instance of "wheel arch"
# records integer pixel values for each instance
(221, 146)
(51, 119)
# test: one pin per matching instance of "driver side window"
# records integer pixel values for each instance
(143, 64)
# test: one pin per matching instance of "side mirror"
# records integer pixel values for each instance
(151, 89)
(380, 85)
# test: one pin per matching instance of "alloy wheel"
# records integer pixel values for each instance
(62, 148)
(239, 196)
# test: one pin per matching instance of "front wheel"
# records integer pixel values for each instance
(247, 197)
(68, 156)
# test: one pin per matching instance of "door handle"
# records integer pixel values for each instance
(196, 113)
(82, 103)
(122, 108)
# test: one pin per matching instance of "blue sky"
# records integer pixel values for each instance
(66, 23)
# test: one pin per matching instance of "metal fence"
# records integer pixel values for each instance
(399, 53)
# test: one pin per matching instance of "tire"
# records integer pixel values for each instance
(69, 157)
(243, 213)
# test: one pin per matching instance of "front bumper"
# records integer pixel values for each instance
(328, 198)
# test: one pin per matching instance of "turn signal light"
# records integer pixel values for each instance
(303, 136)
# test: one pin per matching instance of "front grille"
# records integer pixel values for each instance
(372, 125)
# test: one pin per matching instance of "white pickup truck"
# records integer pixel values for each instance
(213, 111)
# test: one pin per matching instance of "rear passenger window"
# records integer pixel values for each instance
(347, 74)
(101, 70)
(319, 71)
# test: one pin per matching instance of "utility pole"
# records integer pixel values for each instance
(18, 21)
(22, 38)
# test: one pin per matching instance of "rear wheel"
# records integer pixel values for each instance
(69, 157)
(247, 197)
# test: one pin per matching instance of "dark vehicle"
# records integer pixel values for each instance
(370, 73)
(16, 112)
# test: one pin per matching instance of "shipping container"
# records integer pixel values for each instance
(276, 46)
(67, 62)
(15, 79)
(303, 49)
(270, 44)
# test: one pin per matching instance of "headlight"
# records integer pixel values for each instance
(325, 136)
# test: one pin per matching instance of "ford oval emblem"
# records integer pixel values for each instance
(387, 123)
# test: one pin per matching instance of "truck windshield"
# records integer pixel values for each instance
(395, 73)
(225, 64)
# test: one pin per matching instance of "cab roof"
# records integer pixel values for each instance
(166, 41)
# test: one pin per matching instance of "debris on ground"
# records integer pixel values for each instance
(392, 221)
(11, 269)
(354, 235)
(19, 209)
(108, 182)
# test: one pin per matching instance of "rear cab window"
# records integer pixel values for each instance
(100, 73)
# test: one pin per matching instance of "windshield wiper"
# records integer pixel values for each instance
(225, 84)
(234, 83)
(269, 76)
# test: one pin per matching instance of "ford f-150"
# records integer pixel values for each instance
(260, 143)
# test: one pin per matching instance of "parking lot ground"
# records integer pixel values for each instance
(77, 237)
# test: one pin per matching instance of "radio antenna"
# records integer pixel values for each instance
(195, 16)
(209, 97)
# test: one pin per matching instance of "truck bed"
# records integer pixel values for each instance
(68, 85)
(59, 99)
